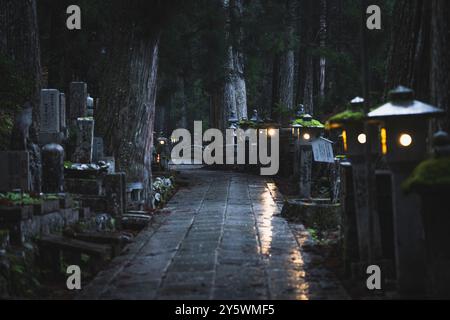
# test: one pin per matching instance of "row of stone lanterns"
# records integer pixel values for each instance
(398, 131)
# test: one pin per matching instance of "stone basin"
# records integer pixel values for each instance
(317, 213)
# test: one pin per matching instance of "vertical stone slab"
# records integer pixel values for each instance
(62, 112)
(98, 149)
(78, 101)
(85, 141)
(50, 117)
(15, 173)
(115, 191)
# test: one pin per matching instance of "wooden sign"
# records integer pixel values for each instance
(323, 150)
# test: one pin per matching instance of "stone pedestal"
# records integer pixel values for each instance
(85, 141)
(370, 248)
(15, 173)
(350, 230)
(408, 234)
(52, 168)
(305, 171)
(437, 225)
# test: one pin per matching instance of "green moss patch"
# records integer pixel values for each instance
(309, 124)
(347, 115)
(432, 173)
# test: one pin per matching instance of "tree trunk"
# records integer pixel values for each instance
(323, 39)
(235, 92)
(440, 60)
(125, 117)
(19, 41)
(285, 69)
(409, 58)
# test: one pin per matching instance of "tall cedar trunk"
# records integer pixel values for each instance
(310, 31)
(235, 92)
(284, 71)
(440, 59)
(419, 51)
(125, 117)
(19, 41)
(181, 100)
(323, 39)
(409, 59)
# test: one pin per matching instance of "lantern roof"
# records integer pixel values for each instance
(402, 104)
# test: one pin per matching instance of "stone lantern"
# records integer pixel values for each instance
(307, 130)
(404, 130)
(355, 138)
(162, 152)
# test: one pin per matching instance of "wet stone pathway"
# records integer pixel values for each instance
(220, 238)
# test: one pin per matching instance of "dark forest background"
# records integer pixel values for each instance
(159, 65)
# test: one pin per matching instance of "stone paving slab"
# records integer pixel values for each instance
(219, 238)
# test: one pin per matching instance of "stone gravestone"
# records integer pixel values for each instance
(78, 101)
(98, 149)
(14, 168)
(62, 113)
(85, 141)
(50, 117)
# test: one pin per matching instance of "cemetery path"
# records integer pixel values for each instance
(220, 238)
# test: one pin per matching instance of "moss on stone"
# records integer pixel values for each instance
(348, 115)
(432, 173)
(308, 124)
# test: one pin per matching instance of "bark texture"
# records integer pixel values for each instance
(19, 41)
(125, 117)
(235, 91)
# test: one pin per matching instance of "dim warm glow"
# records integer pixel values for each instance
(307, 136)
(344, 139)
(272, 132)
(362, 138)
(384, 148)
(405, 140)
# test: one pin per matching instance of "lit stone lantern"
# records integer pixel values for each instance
(404, 128)
(355, 139)
(162, 152)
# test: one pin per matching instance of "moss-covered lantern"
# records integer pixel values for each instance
(351, 124)
(307, 129)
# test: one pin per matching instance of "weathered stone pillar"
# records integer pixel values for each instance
(305, 171)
